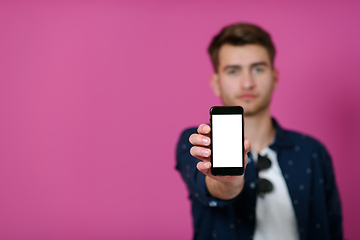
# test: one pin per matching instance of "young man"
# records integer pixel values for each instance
(299, 199)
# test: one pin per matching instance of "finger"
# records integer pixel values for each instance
(200, 153)
(204, 129)
(204, 167)
(199, 140)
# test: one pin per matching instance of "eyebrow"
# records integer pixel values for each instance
(239, 66)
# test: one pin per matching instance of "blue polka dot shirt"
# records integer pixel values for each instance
(303, 161)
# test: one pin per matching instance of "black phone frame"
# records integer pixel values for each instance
(227, 171)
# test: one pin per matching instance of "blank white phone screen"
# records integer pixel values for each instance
(227, 140)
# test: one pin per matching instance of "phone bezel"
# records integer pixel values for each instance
(227, 171)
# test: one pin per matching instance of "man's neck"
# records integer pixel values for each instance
(259, 130)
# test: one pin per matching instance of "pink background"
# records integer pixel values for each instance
(94, 95)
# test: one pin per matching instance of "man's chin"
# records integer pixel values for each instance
(249, 112)
(251, 108)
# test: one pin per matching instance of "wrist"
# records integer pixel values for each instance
(226, 188)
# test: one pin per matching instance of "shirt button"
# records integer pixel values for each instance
(212, 203)
(308, 170)
(296, 202)
(301, 187)
(252, 185)
(297, 148)
(286, 176)
(317, 225)
(184, 146)
(232, 226)
(196, 195)
(290, 162)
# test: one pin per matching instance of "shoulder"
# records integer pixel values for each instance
(306, 144)
(293, 139)
(297, 137)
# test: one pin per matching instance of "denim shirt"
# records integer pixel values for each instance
(308, 172)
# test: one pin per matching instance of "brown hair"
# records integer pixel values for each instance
(239, 35)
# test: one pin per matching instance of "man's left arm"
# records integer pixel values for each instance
(332, 197)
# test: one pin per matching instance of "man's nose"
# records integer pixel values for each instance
(247, 81)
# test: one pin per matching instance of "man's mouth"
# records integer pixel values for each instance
(247, 96)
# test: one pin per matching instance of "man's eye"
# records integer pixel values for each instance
(258, 70)
(232, 72)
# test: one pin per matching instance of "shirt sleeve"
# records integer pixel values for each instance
(193, 178)
(332, 197)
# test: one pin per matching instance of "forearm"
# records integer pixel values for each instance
(224, 190)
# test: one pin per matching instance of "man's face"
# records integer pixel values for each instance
(245, 77)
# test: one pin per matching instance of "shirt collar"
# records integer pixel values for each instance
(282, 140)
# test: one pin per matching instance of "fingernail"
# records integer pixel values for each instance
(207, 164)
(205, 140)
(206, 128)
(206, 152)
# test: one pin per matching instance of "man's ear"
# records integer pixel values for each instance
(275, 77)
(215, 84)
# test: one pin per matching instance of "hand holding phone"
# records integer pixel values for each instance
(223, 187)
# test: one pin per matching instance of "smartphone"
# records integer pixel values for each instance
(227, 140)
